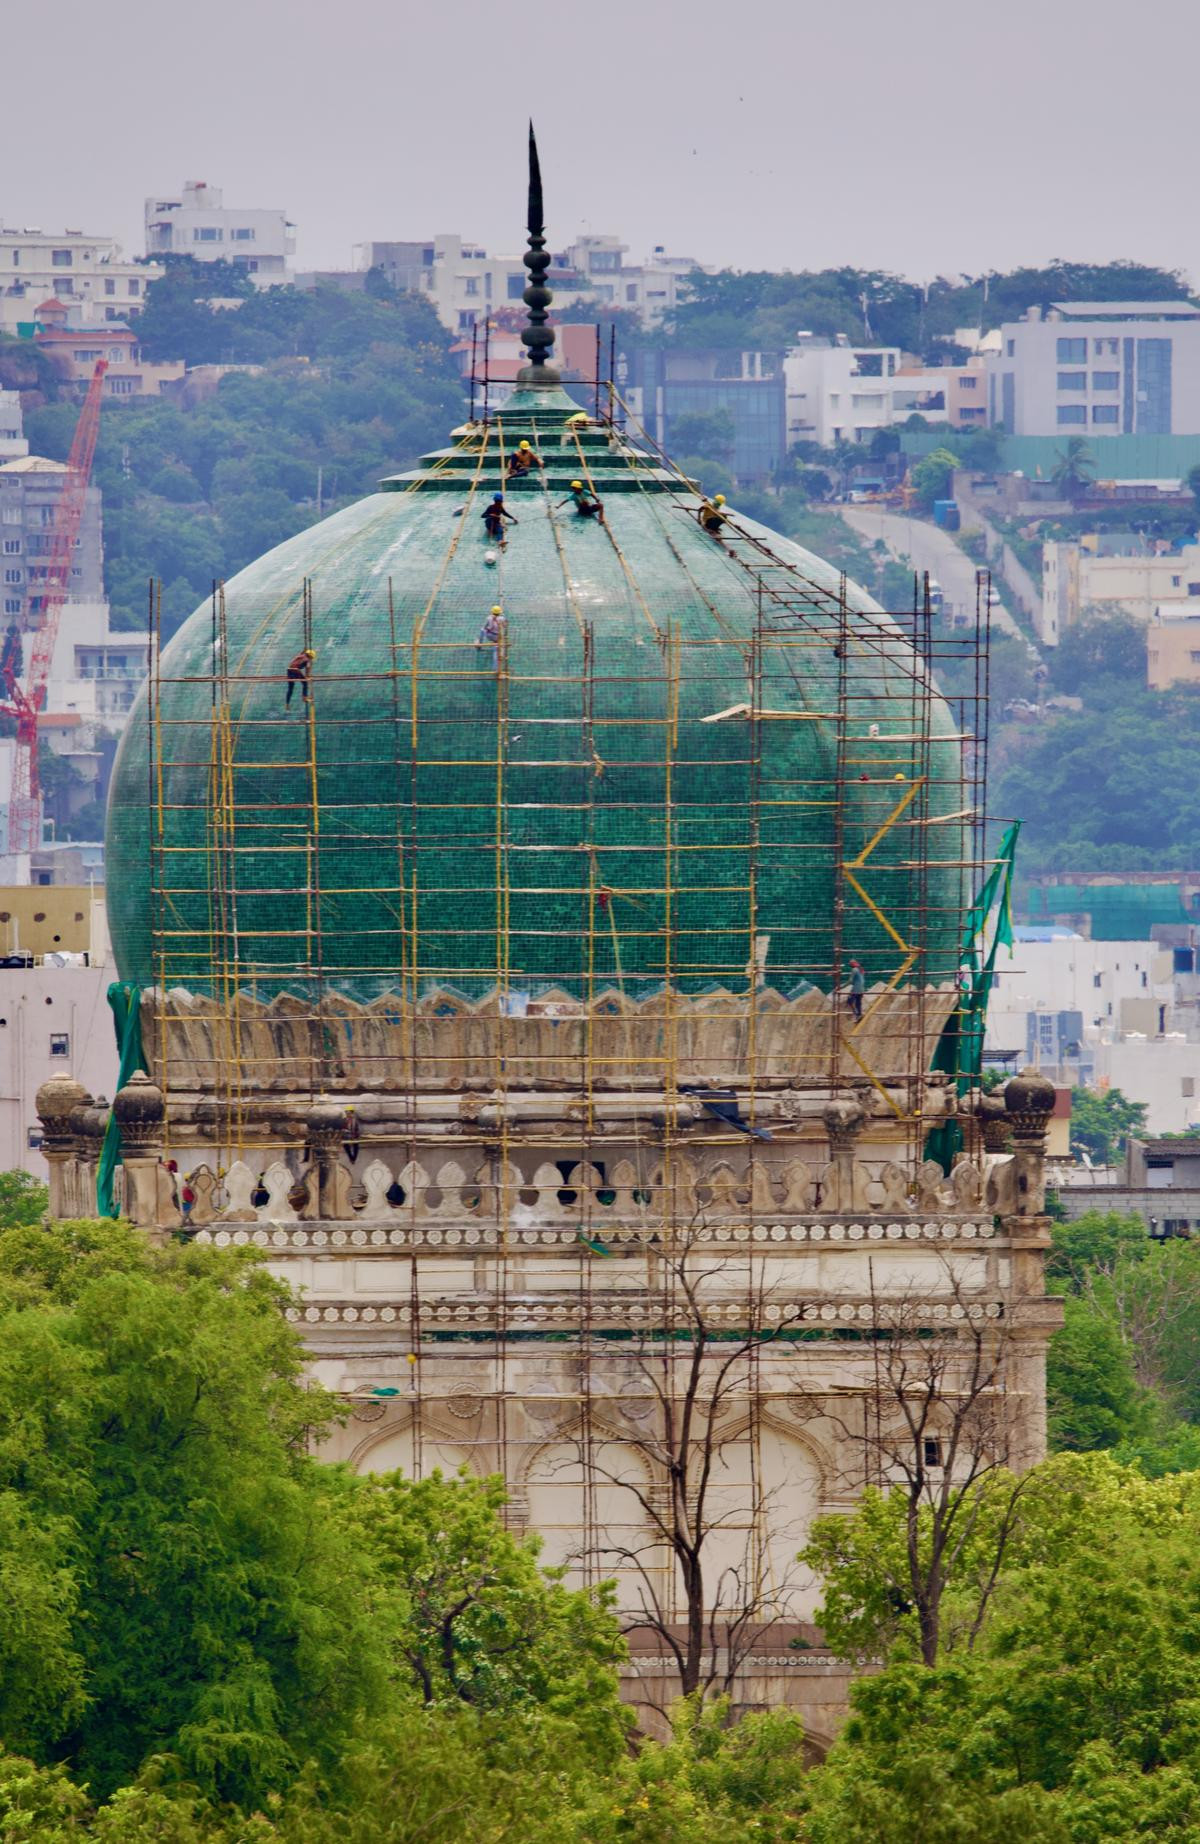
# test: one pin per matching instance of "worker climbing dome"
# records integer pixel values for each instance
(655, 783)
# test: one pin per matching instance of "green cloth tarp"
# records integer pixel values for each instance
(960, 1047)
(125, 1003)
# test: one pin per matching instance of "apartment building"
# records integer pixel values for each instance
(1117, 572)
(75, 348)
(35, 264)
(465, 283)
(30, 487)
(13, 446)
(1173, 644)
(198, 223)
(1099, 368)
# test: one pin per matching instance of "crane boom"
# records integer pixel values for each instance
(45, 609)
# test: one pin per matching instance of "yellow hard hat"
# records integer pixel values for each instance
(577, 485)
(309, 654)
(524, 444)
(497, 610)
(719, 500)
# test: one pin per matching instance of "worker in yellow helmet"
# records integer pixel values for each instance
(522, 461)
(585, 503)
(491, 634)
(298, 673)
(711, 516)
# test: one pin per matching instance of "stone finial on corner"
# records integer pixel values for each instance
(140, 1113)
(1029, 1103)
(56, 1101)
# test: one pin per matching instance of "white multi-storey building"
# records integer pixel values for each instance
(198, 223)
(35, 264)
(13, 446)
(837, 392)
(465, 283)
(1096, 368)
(1117, 573)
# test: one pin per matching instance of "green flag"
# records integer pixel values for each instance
(960, 1047)
(126, 1004)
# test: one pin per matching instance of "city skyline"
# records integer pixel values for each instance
(762, 161)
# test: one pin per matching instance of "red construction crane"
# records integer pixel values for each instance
(45, 609)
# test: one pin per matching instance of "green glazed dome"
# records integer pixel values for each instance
(569, 821)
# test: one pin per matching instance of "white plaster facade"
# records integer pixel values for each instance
(36, 264)
(196, 222)
(1097, 368)
(1079, 576)
(13, 446)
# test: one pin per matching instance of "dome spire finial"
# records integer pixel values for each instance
(537, 337)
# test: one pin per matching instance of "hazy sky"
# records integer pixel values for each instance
(927, 137)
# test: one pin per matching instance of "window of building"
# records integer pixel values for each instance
(206, 233)
(1106, 380)
(1071, 351)
(13, 576)
(1072, 380)
(12, 547)
(1071, 413)
(242, 235)
(466, 319)
(1187, 1087)
(471, 285)
(932, 1451)
(64, 285)
(60, 259)
(604, 261)
(1194, 657)
(110, 287)
(1105, 413)
(1194, 588)
(967, 384)
(1046, 1031)
(631, 291)
(516, 287)
(1175, 581)
(1096, 979)
(12, 605)
(1012, 348)
(123, 387)
(135, 287)
(60, 1043)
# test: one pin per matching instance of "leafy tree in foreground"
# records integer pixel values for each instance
(173, 1578)
(1073, 1717)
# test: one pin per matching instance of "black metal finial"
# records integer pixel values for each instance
(537, 337)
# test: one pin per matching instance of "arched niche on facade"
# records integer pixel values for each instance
(397, 1449)
(767, 1487)
(586, 1502)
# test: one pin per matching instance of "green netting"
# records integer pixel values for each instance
(125, 1003)
(1117, 912)
(567, 823)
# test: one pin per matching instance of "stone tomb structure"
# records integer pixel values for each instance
(554, 997)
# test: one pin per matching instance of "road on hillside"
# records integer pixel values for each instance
(927, 547)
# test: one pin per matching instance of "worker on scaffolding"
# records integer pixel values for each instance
(857, 990)
(491, 634)
(494, 515)
(711, 517)
(584, 501)
(298, 673)
(522, 461)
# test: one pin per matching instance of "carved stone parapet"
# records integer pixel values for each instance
(844, 1121)
(326, 1124)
